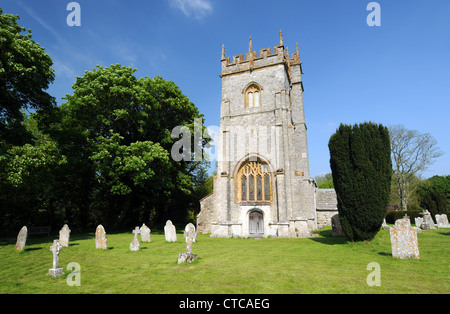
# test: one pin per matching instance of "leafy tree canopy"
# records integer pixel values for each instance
(25, 74)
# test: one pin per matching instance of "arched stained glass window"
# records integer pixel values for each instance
(255, 183)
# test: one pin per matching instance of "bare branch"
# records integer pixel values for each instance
(412, 153)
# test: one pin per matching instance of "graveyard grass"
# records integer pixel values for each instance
(322, 264)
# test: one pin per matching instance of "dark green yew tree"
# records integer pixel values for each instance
(360, 159)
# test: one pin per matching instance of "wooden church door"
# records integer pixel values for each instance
(256, 223)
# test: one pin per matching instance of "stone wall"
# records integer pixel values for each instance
(205, 217)
(326, 206)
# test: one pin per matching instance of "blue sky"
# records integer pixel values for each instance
(397, 73)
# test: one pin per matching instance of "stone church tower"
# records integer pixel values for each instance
(263, 185)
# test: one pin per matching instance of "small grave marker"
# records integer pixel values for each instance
(100, 238)
(22, 238)
(55, 249)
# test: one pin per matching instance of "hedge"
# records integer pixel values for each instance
(392, 216)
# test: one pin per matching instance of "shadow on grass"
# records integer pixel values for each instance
(32, 249)
(40, 239)
(326, 237)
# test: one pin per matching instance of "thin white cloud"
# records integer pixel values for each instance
(41, 22)
(196, 8)
(62, 69)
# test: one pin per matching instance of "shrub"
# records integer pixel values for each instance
(392, 216)
(360, 160)
(435, 202)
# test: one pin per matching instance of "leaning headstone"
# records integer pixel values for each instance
(100, 238)
(428, 220)
(22, 238)
(64, 235)
(145, 234)
(336, 228)
(442, 221)
(404, 242)
(55, 249)
(134, 245)
(170, 232)
(190, 238)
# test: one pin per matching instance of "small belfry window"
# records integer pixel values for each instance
(253, 96)
(255, 183)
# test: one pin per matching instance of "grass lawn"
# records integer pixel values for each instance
(322, 264)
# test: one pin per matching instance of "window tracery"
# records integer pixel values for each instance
(255, 183)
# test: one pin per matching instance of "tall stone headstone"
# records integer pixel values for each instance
(404, 242)
(170, 232)
(134, 245)
(145, 234)
(64, 235)
(22, 238)
(190, 235)
(55, 249)
(100, 238)
(442, 221)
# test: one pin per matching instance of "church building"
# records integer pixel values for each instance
(263, 185)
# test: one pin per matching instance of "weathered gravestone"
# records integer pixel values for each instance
(336, 228)
(64, 235)
(442, 221)
(428, 222)
(145, 234)
(418, 221)
(22, 238)
(190, 235)
(100, 238)
(134, 245)
(55, 249)
(170, 232)
(404, 242)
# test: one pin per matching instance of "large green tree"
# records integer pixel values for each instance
(25, 75)
(361, 168)
(28, 161)
(115, 130)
